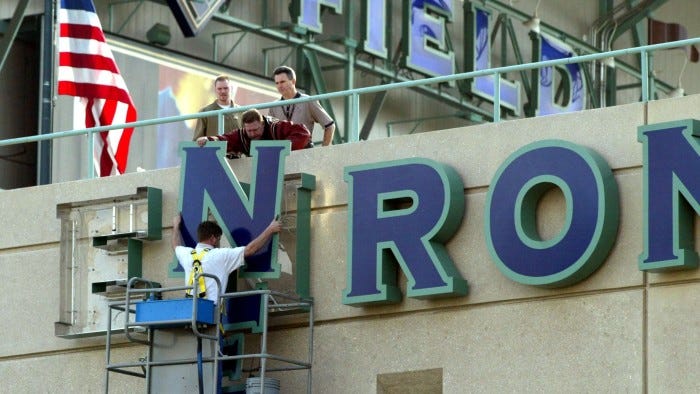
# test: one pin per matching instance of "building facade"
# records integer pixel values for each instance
(619, 329)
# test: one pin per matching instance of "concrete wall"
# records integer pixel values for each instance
(620, 330)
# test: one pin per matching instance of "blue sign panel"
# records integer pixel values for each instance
(401, 214)
(307, 13)
(374, 21)
(592, 214)
(550, 48)
(479, 58)
(426, 46)
(671, 194)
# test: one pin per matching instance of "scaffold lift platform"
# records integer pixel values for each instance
(191, 347)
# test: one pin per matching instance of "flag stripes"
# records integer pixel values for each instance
(87, 70)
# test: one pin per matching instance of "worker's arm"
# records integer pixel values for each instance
(328, 134)
(255, 245)
(176, 237)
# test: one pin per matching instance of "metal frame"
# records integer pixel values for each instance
(649, 84)
(146, 364)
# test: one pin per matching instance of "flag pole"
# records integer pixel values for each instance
(45, 148)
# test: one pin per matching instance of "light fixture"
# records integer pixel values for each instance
(608, 61)
(159, 34)
(679, 91)
(533, 24)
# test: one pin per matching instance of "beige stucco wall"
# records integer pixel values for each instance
(620, 330)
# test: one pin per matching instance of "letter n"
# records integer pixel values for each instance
(401, 213)
(671, 191)
(208, 185)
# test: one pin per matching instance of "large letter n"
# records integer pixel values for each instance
(671, 191)
(207, 184)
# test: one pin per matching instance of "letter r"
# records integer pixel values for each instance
(401, 213)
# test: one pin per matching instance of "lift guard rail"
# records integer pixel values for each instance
(153, 294)
(128, 308)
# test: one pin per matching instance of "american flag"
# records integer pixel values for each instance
(86, 70)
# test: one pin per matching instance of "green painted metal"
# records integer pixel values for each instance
(646, 8)
(266, 57)
(577, 44)
(154, 198)
(524, 78)
(645, 81)
(319, 83)
(351, 127)
(591, 89)
(534, 93)
(632, 22)
(372, 113)
(44, 163)
(128, 18)
(497, 98)
(360, 65)
(388, 73)
(644, 51)
(134, 258)
(11, 33)
(215, 37)
(303, 247)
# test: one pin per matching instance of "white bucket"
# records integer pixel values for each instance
(252, 386)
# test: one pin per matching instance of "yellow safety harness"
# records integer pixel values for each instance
(196, 270)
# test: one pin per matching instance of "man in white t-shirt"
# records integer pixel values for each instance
(213, 259)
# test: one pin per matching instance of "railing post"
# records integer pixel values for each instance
(645, 75)
(354, 118)
(497, 98)
(90, 154)
(220, 123)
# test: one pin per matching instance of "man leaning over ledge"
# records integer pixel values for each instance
(258, 127)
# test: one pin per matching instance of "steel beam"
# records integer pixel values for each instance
(9, 37)
(370, 68)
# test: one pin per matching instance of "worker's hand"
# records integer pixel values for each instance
(201, 141)
(274, 227)
(176, 220)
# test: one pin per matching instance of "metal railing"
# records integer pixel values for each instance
(354, 94)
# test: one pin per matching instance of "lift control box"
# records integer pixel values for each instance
(174, 311)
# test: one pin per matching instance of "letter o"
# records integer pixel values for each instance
(592, 214)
